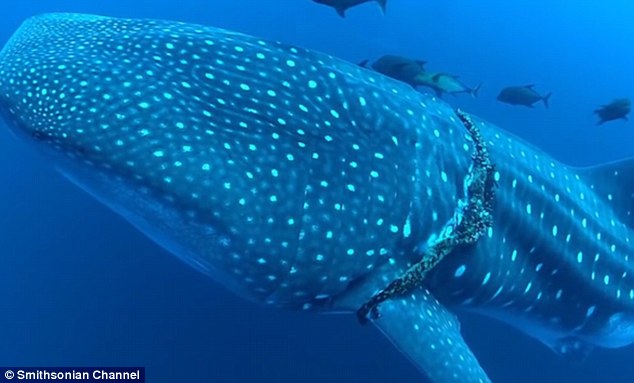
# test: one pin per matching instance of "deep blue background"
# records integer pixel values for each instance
(79, 286)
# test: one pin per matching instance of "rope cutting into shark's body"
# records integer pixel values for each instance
(470, 221)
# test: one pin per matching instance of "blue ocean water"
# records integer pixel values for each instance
(79, 286)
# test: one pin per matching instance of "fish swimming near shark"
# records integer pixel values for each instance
(523, 95)
(398, 67)
(442, 83)
(413, 72)
(341, 6)
(616, 110)
(302, 181)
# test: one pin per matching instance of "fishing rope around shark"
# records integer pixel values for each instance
(470, 221)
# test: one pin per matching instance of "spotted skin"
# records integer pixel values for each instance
(302, 181)
(560, 267)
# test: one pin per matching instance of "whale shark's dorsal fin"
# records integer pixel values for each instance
(424, 330)
(614, 182)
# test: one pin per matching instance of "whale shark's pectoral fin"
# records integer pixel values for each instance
(429, 335)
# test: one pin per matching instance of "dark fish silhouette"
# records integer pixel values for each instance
(342, 5)
(413, 72)
(522, 95)
(617, 109)
(398, 67)
(443, 83)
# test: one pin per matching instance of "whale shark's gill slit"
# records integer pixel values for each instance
(272, 297)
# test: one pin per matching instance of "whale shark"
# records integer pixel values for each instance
(305, 182)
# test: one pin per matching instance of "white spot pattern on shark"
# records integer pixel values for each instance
(300, 180)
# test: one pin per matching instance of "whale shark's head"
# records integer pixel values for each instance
(284, 172)
(88, 86)
(49, 75)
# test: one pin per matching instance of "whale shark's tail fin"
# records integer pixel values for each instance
(614, 182)
(424, 330)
